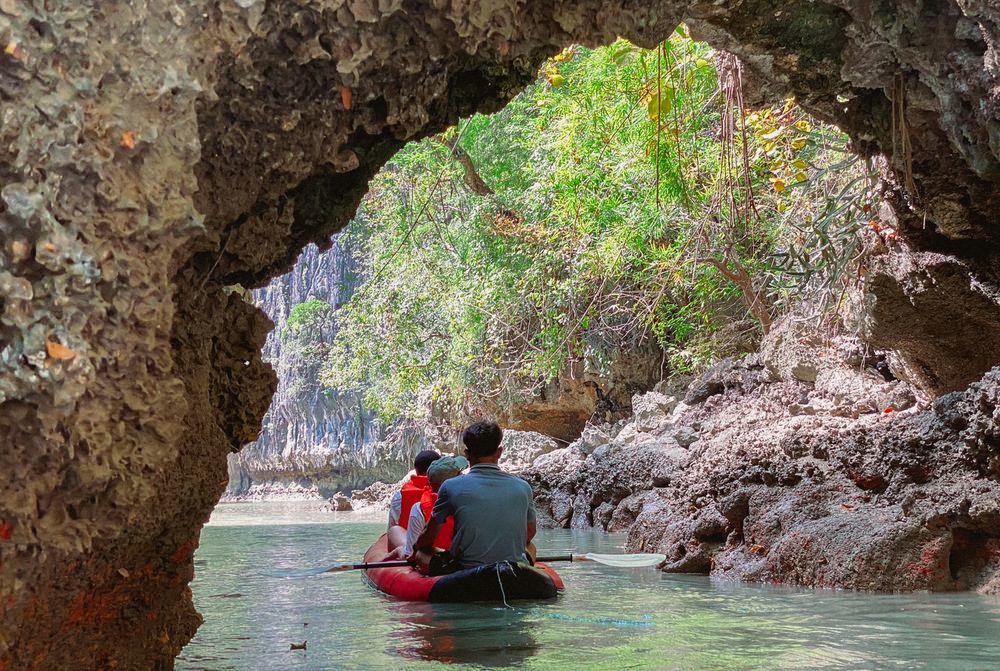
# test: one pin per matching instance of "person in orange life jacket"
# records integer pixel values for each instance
(439, 471)
(494, 511)
(403, 500)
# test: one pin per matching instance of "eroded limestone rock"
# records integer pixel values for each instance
(521, 448)
(850, 494)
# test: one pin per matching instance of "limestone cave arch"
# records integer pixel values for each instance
(153, 153)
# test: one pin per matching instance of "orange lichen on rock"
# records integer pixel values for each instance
(59, 351)
(184, 552)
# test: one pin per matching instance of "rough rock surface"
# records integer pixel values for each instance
(339, 504)
(947, 343)
(153, 153)
(377, 495)
(324, 440)
(820, 483)
(521, 448)
(582, 394)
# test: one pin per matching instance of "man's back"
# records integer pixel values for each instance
(492, 510)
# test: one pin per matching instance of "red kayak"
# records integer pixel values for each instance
(494, 582)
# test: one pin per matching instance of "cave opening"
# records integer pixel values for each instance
(546, 263)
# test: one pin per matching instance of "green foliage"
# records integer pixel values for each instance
(628, 201)
(305, 339)
(307, 319)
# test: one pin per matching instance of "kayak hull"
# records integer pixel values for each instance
(495, 582)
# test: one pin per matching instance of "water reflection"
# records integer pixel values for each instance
(469, 634)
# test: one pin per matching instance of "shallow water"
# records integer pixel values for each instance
(607, 618)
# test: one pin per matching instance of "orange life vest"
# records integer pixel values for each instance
(443, 539)
(411, 496)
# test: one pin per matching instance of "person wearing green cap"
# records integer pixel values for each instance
(437, 473)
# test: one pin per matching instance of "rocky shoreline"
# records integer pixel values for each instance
(274, 491)
(810, 463)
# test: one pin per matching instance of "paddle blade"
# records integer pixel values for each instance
(622, 561)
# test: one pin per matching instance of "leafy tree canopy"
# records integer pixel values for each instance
(624, 198)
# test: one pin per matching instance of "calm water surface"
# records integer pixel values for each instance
(607, 618)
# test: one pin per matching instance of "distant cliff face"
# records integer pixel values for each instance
(314, 440)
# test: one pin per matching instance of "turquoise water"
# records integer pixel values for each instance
(607, 618)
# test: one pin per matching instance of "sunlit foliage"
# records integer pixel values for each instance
(624, 197)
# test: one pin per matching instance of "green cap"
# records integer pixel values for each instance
(445, 467)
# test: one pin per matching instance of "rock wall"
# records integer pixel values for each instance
(153, 153)
(585, 393)
(315, 441)
(807, 464)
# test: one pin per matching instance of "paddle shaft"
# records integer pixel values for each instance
(375, 564)
(402, 562)
(619, 561)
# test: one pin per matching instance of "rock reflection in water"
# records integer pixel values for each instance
(476, 634)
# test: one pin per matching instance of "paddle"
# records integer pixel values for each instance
(618, 561)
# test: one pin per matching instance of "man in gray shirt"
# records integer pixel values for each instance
(493, 511)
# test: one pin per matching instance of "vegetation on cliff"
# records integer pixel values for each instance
(625, 196)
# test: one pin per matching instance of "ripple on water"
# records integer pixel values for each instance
(607, 619)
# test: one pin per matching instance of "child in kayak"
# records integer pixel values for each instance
(441, 470)
(403, 500)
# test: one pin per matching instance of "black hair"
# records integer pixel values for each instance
(482, 439)
(423, 460)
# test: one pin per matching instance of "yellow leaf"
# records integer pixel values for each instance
(798, 144)
(803, 125)
(779, 185)
(653, 108)
(59, 351)
(800, 164)
(556, 80)
(800, 177)
(782, 207)
(701, 63)
(658, 106)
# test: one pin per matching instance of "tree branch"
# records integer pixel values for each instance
(472, 178)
